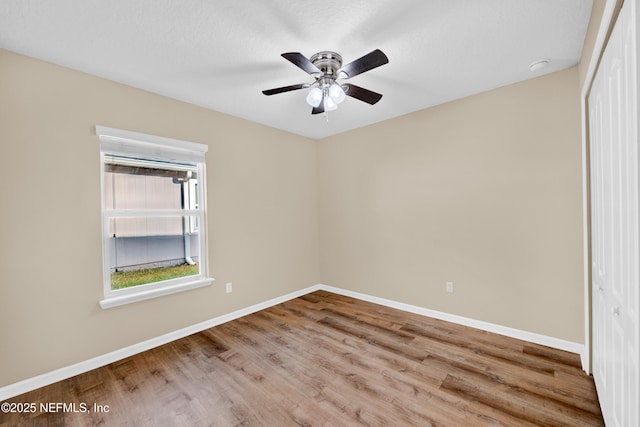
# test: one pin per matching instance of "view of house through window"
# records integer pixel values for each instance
(152, 232)
(153, 216)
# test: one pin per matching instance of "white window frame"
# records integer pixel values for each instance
(133, 144)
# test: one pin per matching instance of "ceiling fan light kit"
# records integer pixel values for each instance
(326, 67)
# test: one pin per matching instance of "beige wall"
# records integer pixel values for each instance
(262, 206)
(484, 192)
(590, 39)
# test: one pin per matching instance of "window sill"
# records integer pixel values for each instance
(117, 300)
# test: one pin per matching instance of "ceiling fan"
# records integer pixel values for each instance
(326, 67)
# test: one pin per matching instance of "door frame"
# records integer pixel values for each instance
(611, 9)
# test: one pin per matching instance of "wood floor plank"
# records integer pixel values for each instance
(496, 370)
(329, 360)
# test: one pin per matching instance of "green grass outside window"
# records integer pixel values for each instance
(127, 279)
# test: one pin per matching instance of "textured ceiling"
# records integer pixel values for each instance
(220, 54)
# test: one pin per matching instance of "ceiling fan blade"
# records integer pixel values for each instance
(320, 108)
(368, 62)
(301, 61)
(357, 92)
(285, 89)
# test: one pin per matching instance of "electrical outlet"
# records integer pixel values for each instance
(229, 287)
(450, 287)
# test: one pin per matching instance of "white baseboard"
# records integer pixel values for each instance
(557, 343)
(48, 378)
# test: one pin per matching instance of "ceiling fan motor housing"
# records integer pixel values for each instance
(328, 62)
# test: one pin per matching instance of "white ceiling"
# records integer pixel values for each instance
(220, 54)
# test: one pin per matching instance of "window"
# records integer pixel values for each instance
(153, 218)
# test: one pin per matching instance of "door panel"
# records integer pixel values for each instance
(613, 126)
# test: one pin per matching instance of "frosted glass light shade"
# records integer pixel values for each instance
(314, 97)
(336, 93)
(329, 104)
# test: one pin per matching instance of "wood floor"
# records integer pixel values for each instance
(325, 359)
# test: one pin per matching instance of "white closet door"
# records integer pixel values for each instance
(615, 219)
